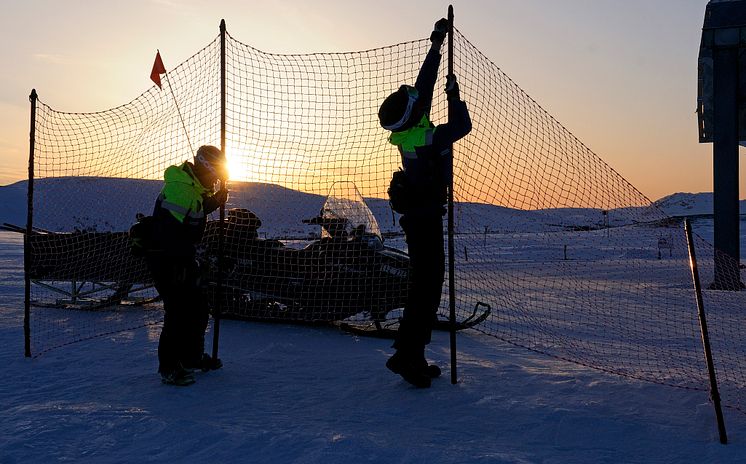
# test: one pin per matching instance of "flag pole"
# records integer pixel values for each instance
(178, 111)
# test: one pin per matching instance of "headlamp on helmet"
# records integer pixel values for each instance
(397, 110)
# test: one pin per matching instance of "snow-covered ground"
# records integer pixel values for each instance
(307, 395)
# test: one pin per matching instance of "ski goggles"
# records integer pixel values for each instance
(220, 172)
(412, 96)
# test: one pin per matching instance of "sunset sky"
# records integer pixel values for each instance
(621, 76)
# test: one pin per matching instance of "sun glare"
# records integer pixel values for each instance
(252, 164)
(236, 172)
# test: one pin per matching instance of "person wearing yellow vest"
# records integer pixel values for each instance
(179, 220)
(419, 193)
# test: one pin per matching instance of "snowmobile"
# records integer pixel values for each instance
(346, 276)
(346, 271)
(85, 269)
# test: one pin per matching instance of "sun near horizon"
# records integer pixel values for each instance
(622, 78)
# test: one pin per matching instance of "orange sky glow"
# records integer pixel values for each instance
(621, 76)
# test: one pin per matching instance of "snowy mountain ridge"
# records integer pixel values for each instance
(65, 204)
(690, 204)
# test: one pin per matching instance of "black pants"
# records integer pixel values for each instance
(183, 335)
(424, 237)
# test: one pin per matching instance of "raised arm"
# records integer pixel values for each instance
(429, 70)
(459, 121)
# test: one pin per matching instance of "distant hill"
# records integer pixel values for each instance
(13, 202)
(691, 204)
(106, 204)
(103, 204)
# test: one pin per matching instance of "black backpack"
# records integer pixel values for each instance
(400, 192)
(141, 235)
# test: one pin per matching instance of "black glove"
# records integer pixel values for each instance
(452, 90)
(439, 32)
(221, 196)
(213, 202)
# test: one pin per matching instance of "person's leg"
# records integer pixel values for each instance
(434, 273)
(197, 314)
(408, 333)
(163, 278)
(193, 341)
(416, 323)
(427, 269)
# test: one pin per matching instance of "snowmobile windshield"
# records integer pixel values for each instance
(346, 215)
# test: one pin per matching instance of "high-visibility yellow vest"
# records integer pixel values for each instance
(420, 135)
(182, 194)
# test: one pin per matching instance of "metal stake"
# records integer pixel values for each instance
(714, 393)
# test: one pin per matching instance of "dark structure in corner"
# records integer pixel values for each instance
(721, 108)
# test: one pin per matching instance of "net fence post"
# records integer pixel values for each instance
(451, 245)
(221, 235)
(29, 227)
(714, 392)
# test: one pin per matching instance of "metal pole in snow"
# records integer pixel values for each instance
(451, 245)
(27, 250)
(221, 238)
(714, 393)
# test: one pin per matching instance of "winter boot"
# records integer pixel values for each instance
(205, 363)
(432, 370)
(409, 369)
(178, 376)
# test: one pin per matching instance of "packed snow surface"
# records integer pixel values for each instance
(301, 394)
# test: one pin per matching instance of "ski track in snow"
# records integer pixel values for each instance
(300, 394)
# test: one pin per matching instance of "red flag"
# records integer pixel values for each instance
(158, 69)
